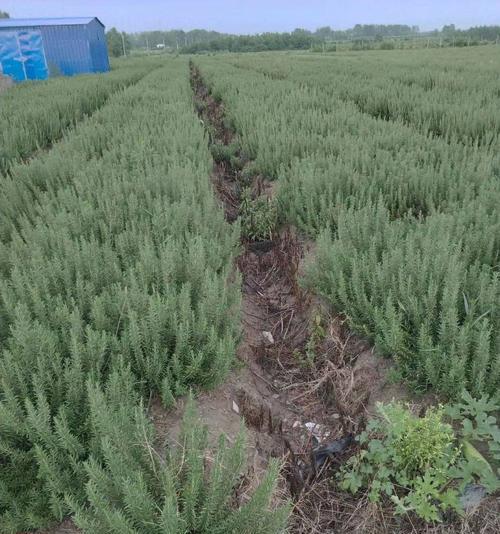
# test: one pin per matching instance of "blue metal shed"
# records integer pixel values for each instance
(34, 49)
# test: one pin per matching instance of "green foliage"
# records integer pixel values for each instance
(320, 100)
(478, 423)
(403, 283)
(387, 45)
(35, 115)
(307, 358)
(224, 153)
(421, 463)
(131, 488)
(380, 272)
(405, 451)
(114, 254)
(258, 216)
(396, 174)
(118, 43)
(299, 39)
(172, 39)
(478, 428)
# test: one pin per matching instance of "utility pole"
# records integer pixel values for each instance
(147, 44)
(123, 45)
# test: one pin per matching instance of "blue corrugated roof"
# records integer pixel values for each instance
(70, 21)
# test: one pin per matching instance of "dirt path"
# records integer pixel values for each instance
(66, 527)
(307, 383)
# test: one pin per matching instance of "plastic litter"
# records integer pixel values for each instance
(321, 454)
(472, 496)
(268, 337)
(317, 431)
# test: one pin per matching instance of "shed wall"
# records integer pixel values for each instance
(67, 49)
(98, 47)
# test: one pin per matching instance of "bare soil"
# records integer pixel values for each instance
(66, 527)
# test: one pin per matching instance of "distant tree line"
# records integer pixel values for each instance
(304, 39)
(299, 39)
(477, 33)
(194, 41)
(203, 40)
(4, 15)
(366, 31)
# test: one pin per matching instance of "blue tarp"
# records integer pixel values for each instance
(35, 49)
(22, 56)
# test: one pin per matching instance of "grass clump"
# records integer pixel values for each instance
(259, 216)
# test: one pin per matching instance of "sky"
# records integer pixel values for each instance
(233, 16)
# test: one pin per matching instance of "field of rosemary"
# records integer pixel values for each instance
(391, 162)
(130, 204)
(35, 115)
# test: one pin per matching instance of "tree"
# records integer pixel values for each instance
(4, 15)
(117, 41)
(300, 38)
(449, 30)
(324, 32)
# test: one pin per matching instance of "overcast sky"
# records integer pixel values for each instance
(236, 16)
